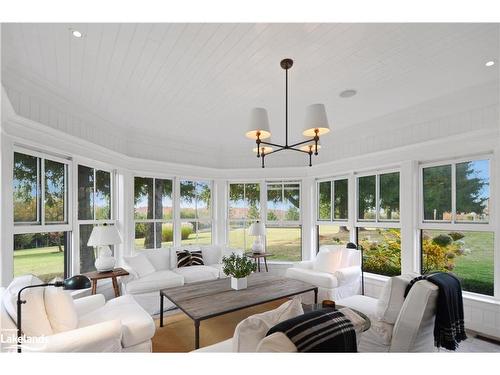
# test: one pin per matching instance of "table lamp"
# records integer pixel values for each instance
(258, 230)
(73, 283)
(101, 237)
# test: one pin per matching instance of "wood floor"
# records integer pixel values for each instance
(177, 333)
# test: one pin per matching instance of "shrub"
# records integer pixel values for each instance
(456, 235)
(167, 234)
(383, 257)
(186, 231)
(442, 240)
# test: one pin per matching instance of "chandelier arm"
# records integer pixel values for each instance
(298, 150)
(301, 143)
(272, 144)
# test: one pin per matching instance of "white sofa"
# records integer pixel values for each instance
(160, 271)
(398, 324)
(336, 271)
(119, 325)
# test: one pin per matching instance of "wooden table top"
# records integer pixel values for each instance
(207, 299)
(258, 255)
(96, 275)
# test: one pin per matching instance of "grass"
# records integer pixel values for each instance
(44, 262)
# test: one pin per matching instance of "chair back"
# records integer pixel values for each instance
(7, 325)
(348, 257)
(414, 327)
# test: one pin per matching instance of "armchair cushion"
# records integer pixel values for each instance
(392, 297)
(140, 264)
(328, 260)
(320, 279)
(154, 281)
(193, 274)
(347, 275)
(60, 309)
(305, 264)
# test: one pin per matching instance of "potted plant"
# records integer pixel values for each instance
(238, 267)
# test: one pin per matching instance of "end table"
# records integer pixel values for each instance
(257, 257)
(113, 274)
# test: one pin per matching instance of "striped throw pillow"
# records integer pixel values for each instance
(197, 258)
(183, 258)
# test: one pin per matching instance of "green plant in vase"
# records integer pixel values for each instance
(238, 267)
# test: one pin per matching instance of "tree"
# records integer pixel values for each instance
(389, 193)
(366, 201)
(469, 188)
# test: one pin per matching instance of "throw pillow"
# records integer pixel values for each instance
(197, 258)
(328, 260)
(140, 264)
(34, 318)
(183, 258)
(60, 309)
(252, 330)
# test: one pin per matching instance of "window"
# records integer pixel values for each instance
(40, 192)
(333, 235)
(381, 250)
(455, 232)
(153, 212)
(94, 208)
(243, 210)
(378, 197)
(196, 212)
(284, 231)
(333, 200)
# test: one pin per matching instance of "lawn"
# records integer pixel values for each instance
(44, 262)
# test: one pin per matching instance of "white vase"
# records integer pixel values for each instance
(238, 284)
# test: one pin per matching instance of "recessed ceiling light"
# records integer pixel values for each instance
(348, 93)
(490, 63)
(76, 33)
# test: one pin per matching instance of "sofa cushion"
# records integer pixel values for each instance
(154, 281)
(137, 324)
(328, 260)
(320, 279)
(60, 309)
(252, 330)
(193, 274)
(34, 318)
(213, 254)
(392, 297)
(159, 258)
(197, 258)
(175, 249)
(183, 258)
(140, 264)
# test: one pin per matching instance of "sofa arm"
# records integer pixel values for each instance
(305, 264)
(347, 275)
(87, 304)
(97, 338)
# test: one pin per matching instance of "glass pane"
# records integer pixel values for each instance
(469, 255)
(366, 198)
(40, 254)
(143, 198)
(252, 199)
(274, 202)
(144, 236)
(437, 193)
(237, 206)
(473, 191)
(333, 235)
(196, 233)
(55, 177)
(188, 199)
(204, 233)
(163, 200)
(340, 205)
(291, 203)
(26, 188)
(85, 193)
(381, 250)
(164, 235)
(284, 243)
(203, 195)
(389, 196)
(103, 195)
(238, 235)
(325, 200)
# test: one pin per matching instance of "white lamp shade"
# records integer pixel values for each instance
(316, 120)
(104, 235)
(257, 229)
(259, 123)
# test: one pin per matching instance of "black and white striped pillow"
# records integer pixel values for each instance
(197, 258)
(183, 258)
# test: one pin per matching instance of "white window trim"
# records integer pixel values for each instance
(332, 221)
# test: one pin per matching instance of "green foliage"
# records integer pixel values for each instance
(186, 231)
(456, 235)
(238, 266)
(292, 214)
(442, 240)
(271, 216)
(389, 193)
(383, 256)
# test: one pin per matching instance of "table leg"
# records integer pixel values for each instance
(316, 296)
(196, 334)
(258, 264)
(115, 286)
(161, 310)
(265, 262)
(94, 286)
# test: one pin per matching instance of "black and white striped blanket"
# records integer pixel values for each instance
(319, 331)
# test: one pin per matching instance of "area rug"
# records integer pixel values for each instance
(177, 333)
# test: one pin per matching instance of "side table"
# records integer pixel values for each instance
(113, 274)
(257, 257)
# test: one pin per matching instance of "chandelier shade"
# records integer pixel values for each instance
(258, 126)
(311, 147)
(316, 122)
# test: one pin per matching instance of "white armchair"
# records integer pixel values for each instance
(398, 324)
(336, 271)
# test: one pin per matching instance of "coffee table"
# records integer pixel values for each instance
(208, 299)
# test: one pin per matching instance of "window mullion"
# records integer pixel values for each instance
(332, 200)
(42, 190)
(377, 198)
(453, 193)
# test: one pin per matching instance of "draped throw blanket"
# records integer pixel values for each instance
(319, 331)
(449, 327)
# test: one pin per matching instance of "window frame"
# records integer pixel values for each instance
(339, 222)
(283, 223)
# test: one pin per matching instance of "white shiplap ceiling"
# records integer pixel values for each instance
(191, 86)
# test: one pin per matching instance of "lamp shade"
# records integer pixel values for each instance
(310, 146)
(257, 229)
(316, 120)
(259, 123)
(104, 235)
(77, 282)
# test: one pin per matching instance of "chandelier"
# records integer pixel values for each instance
(316, 124)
